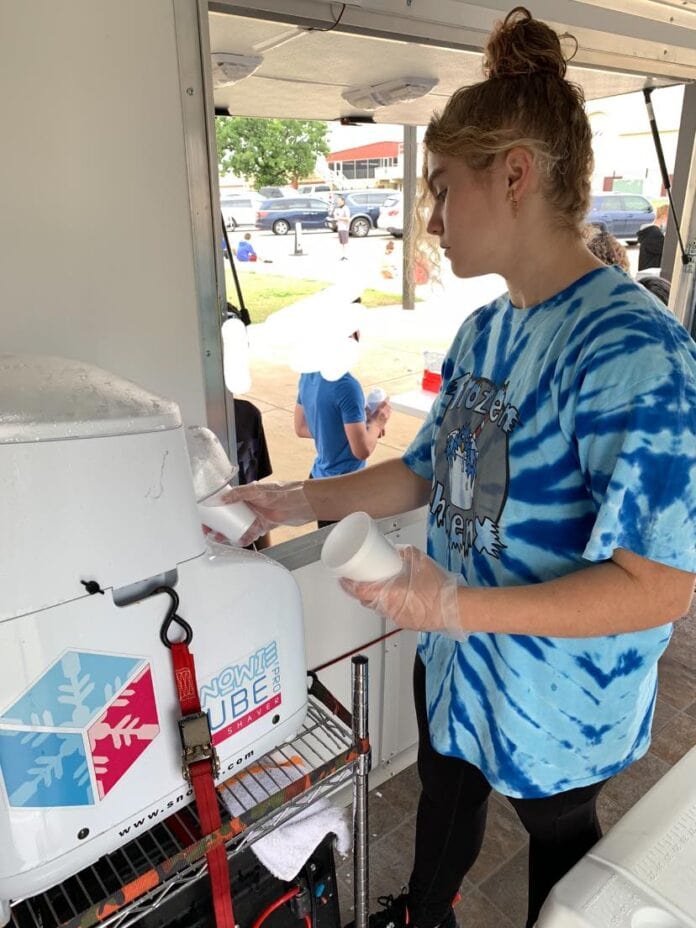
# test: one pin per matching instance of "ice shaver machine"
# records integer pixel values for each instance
(99, 510)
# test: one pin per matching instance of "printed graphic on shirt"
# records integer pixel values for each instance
(472, 464)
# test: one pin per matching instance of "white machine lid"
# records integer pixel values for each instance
(46, 398)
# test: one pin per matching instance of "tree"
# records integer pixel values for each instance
(269, 151)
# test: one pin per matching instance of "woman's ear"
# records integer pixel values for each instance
(520, 171)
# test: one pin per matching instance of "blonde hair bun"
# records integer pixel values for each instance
(522, 45)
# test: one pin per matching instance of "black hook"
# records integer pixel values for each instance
(92, 587)
(172, 617)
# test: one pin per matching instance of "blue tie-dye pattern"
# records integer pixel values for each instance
(485, 655)
(494, 641)
(503, 746)
(591, 733)
(532, 645)
(603, 456)
(483, 568)
(627, 662)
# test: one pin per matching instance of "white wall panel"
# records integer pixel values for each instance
(96, 247)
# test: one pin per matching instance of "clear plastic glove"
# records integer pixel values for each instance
(274, 504)
(421, 596)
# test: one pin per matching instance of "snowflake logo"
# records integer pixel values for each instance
(75, 732)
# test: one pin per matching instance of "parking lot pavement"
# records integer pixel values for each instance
(320, 255)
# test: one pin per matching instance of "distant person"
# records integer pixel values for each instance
(389, 269)
(606, 247)
(253, 459)
(333, 414)
(661, 214)
(342, 216)
(651, 241)
(245, 250)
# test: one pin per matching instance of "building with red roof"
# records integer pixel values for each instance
(377, 161)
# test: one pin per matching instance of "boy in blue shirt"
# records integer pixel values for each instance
(245, 250)
(332, 413)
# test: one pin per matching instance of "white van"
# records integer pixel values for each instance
(391, 215)
(240, 209)
(311, 189)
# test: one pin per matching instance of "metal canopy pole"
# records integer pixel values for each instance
(682, 167)
(683, 292)
(666, 182)
(360, 787)
(408, 295)
(682, 300)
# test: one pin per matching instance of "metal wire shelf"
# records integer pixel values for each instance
(119, 888)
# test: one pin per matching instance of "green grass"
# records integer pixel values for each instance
(264, 294)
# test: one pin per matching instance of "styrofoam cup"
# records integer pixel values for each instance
(356, 549)
(229, 519)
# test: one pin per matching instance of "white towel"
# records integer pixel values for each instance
(285, 849)
(290, 842)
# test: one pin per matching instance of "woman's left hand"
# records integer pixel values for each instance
(421, 596)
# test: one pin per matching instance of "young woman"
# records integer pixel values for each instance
(559, 468)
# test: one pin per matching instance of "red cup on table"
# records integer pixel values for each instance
(432, 376)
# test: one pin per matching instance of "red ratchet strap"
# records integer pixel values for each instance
(200, 767)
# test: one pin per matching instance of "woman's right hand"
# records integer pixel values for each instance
(273, 504)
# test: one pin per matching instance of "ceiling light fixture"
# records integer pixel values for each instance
(399, 90)
(229, 68)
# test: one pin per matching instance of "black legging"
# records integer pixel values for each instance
(452, 818)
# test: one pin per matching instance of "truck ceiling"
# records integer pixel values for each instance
(307, 65)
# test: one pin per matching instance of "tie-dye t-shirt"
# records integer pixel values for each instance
(561, 433)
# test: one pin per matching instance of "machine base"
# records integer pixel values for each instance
(190, 906)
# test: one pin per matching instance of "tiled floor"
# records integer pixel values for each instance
(494, 890)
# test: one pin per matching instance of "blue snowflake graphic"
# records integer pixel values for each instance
(45, 769)
(72, 691)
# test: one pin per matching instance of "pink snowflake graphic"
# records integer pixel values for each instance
(123, 731)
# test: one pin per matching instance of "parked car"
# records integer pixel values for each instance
(364, 206)
(240, 209)
(391, 215)
(281, 213)
(271, 192)
(622, 214)
(322, 189)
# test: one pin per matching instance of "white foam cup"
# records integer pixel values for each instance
(356, 549)
(229, 519)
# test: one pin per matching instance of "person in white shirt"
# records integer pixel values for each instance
(342, 217)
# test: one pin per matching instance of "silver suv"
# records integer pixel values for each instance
(622, 214)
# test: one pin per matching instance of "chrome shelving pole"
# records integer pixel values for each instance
(359, 681)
